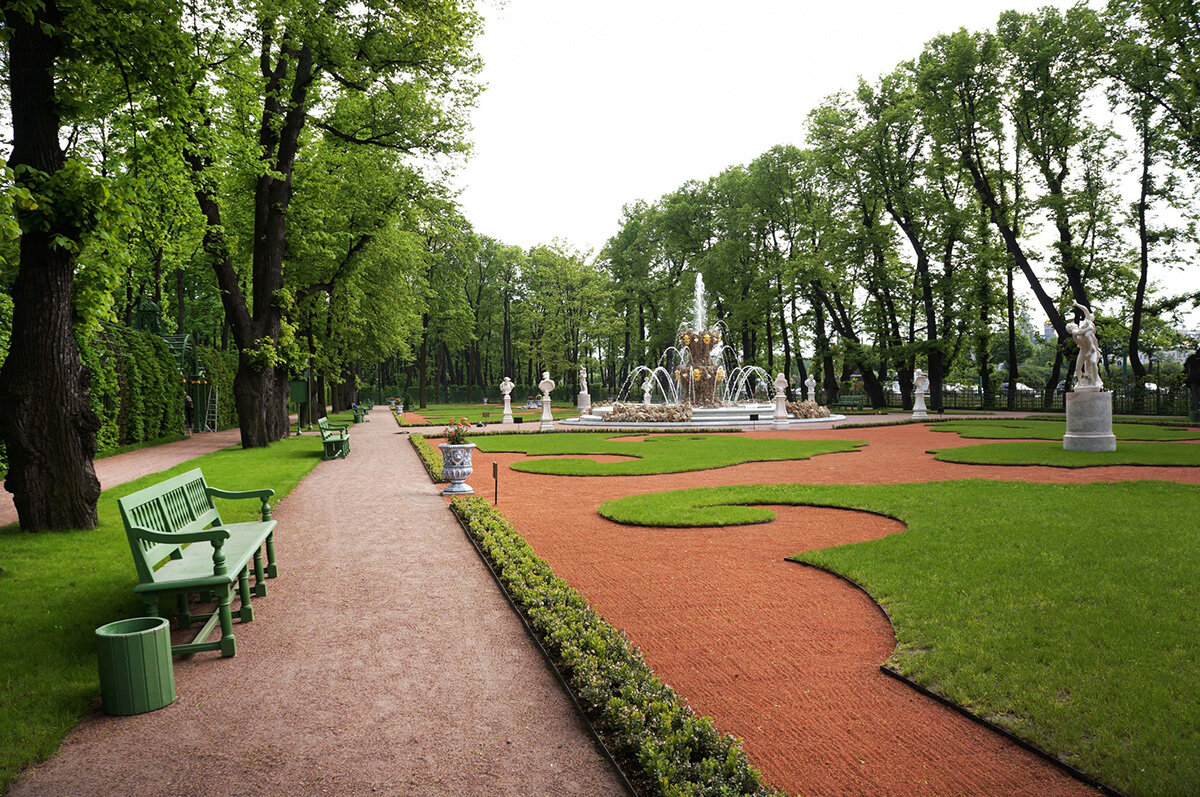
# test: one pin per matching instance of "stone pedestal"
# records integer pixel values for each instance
(781, 417)
(547, 416)
(584, 402)
(1089, 421)
(507, 410)
(919, 409)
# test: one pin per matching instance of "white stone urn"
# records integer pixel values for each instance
(457, 467)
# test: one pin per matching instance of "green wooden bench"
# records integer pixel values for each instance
(335, 438)
(167, 523)
(849, 402)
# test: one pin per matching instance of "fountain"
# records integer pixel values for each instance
(698, 383)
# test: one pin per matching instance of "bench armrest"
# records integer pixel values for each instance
(262, 495)
(208, 535)
(216, 536)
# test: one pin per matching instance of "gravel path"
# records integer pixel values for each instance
(384, 660)
(131, 465)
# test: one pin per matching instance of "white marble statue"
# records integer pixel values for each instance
(647, 389)
(506, 388)
(546, 385)
(1087, 364)
(811, 385)
(780, 418)
(920, 387)
(584, 403)
(582, 379)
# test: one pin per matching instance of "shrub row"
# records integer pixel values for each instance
(659, 742)
(136, 388)
(220, 367)
(431, 458)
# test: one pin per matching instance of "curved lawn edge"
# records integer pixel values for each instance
(933, 694)
(1051, 454)
(984, 590)
(654, 454)
(655, 737)
(1029, 429)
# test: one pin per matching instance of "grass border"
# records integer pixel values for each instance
(656, 738)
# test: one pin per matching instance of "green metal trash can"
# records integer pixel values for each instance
(136, 672)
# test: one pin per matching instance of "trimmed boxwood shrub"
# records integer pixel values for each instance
(136, 387)
(660, 743)
(431, 457)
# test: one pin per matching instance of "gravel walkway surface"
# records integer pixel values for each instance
(131, 465)
(384, 660)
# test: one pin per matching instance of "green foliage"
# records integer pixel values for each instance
(220, 367)
(1069, 614)
(654, 454)
(662, 746)
(57, 587)
(1024, 428)
(431, 457)
(1053, 454)
(136, 386)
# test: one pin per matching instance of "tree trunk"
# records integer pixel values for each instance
(1012, 341)
(46, 418)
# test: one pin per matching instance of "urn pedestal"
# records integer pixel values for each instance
(919, 408)
(583, 402)
(1089, 421)
(456, 466)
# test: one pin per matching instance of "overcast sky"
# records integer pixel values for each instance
(592, 105)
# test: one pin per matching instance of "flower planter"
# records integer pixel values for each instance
(456, 466)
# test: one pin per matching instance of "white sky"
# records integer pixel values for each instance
(592, 105)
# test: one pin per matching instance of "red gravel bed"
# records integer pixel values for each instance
(785, 656)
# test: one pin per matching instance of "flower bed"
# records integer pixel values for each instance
(807, 409)
(653, 413)
(659, 742)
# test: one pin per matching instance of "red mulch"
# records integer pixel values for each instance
(782, 655)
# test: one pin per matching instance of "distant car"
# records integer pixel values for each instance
(1021, 387)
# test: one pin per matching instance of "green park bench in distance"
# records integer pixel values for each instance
(335, 438)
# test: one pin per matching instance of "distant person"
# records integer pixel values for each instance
(187, 411)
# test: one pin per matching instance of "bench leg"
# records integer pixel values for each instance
(272, 568)
(246, 611)
(184, 613)
(260, 586)
(228, 642)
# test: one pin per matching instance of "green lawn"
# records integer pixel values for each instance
(1026, 429)
(56, 588)
(439, 414)
(1069, 614)
(1052, 453)
(670, 453)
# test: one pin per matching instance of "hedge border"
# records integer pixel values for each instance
(430, 457)
(656, 739)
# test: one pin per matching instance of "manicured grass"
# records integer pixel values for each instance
(1025, 429)
(440, 414)
(58, 587)
(1052, 453)
(656, 454)
(1069, 614)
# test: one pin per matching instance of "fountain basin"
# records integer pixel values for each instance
(702, 418)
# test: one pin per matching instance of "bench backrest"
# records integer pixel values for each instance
(179, 504)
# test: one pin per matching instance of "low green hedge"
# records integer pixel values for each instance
(659, 742)
(431, 458)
